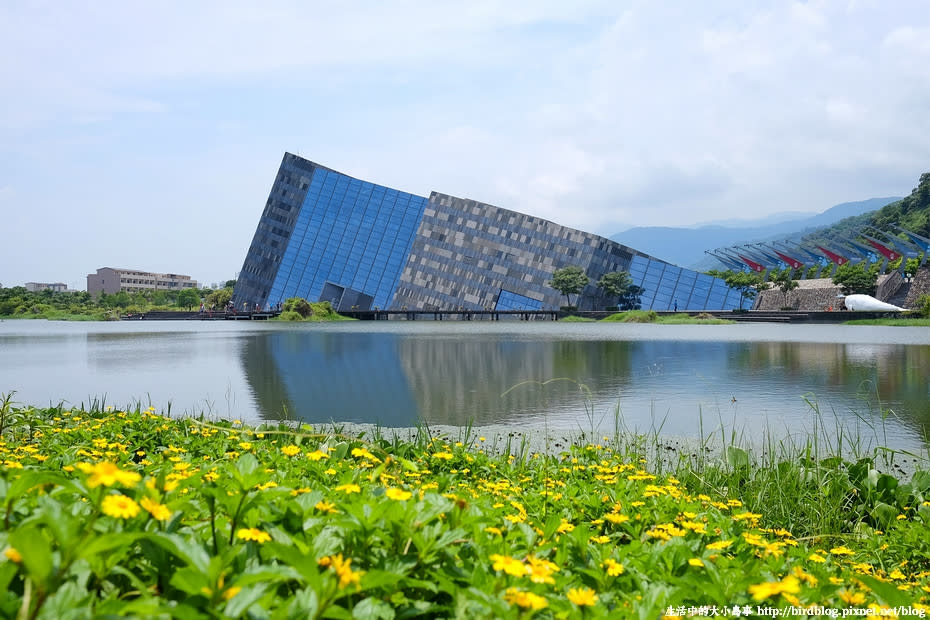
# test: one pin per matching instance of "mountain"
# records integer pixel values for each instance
(686, 246)
(911, 213)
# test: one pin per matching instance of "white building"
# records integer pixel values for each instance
(111, 280)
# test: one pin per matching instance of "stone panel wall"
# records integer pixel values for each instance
(466, 252)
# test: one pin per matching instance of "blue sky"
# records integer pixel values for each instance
(148, 135)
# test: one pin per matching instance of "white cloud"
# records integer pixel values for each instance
(599, 115)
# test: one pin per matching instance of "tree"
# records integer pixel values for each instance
(188, 297)
(747, 284)
(615, 284)
(230, 284)
(855, 279)
(631, 299)
(785, 283)
(569, 281)
(219, 298)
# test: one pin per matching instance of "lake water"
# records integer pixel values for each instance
(787, 380)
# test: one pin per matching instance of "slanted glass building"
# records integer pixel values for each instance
(325, 236)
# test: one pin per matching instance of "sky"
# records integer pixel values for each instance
(147, 135)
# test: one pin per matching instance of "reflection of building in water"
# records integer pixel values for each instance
(488, 380)
(324, 377)
(397, 381)
(402, 379)
(883, 377)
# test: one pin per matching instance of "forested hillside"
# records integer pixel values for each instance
(912, 213)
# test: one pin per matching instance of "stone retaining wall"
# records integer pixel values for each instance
(811, 296)
(920, 285)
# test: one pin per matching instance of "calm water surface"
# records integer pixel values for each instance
(788, 380)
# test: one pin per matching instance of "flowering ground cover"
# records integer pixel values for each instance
(133, 514)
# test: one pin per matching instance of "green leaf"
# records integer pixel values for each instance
(888, 592)
(737, 458)
(69, 601)
(304, 604)
(104, 544)
(372, 609)
(883, 513)
(36, 551)
(921, 481)
(247, 470)
(237, 605)
(190, 580)
(8, 570)
(190, 553)
(30, 479)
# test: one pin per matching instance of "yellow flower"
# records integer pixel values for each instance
(398, 494)
(342, 568)
(363, 453)
(541, 570)
(494, 530)
(251, 533)
(324, 506)
(108, 474)
(852, 598)
(841, 551)
(816, 557)
(120, 506)
(316, 455)
(348, 489)
(446, 456)
(582, 596)
(720, 545)
(695, 562)
(13, 555)
(614, 568)
(290, 450)
(763, 591)
(524, 599)
(564, 527)
(511, 566)
(158, 511)
(616, 519)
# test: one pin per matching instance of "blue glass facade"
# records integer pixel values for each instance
(515, 301)
(669, 287)
(352, 235)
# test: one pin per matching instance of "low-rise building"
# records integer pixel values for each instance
(58, 287)
(113, 280)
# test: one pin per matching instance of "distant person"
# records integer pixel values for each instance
(676, 305)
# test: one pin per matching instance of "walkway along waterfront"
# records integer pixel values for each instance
(522, 315)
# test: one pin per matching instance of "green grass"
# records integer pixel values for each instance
(893, 322)
(129, 513)
(650, 316)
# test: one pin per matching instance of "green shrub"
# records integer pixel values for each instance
(322, 309)
(299, 305)
(923, 306)
(290, 315)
